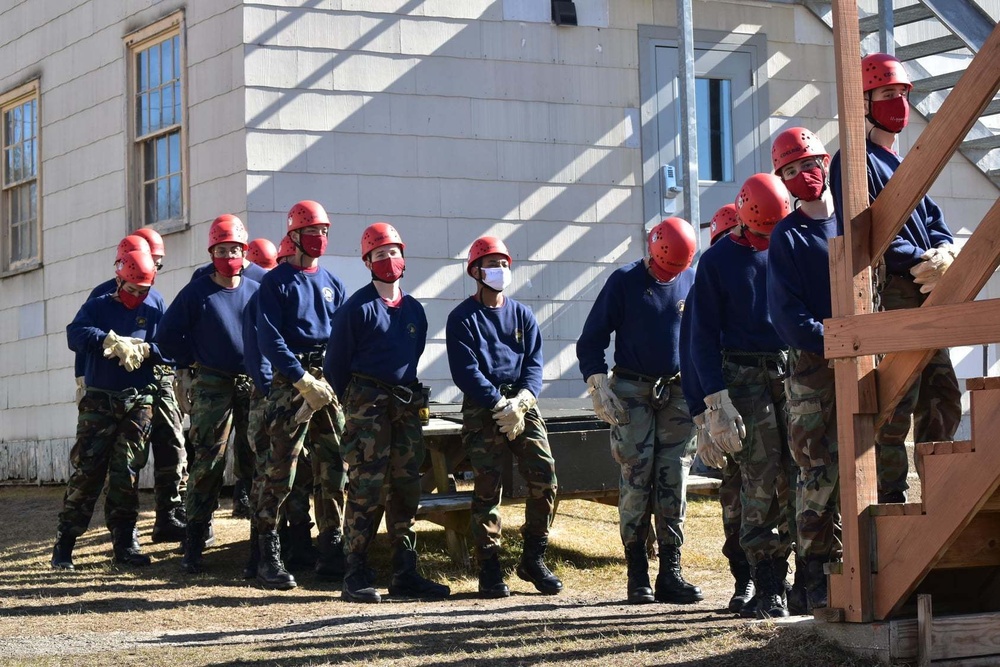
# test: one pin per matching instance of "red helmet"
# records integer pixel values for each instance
(762, 202)
(881, 69)
(227, 229)
(154, 240)
(672, 244)
(307, 213)
(132, 242)
(378, 235)
(137, 267)
(723, 220)
(794, 144)
(262, 253)
(286, 248)
(486, 245)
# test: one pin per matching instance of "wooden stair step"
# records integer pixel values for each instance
(947, 447)
(974, 384)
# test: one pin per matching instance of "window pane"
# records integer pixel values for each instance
(175, 196)
(177, 101)
(154, 111)
(15, 126)
(154, 66)
(149, 196)
(177, 56)
(175, 152)
(149, 160)
(14, 164)
(167, 61)
(715, 129)
(162, 199)
(28, 155)
(33, 201)
(168, 106)
(162, 157)
(142, 71)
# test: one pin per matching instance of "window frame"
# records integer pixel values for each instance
(166, 28)
(28, 91)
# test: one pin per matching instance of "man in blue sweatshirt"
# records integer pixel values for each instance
(376, 341)
(203, 327)
(916, 259)
(296, 304)
(495, 355)
(798, 297)
(112, 435)
(741, 364)
(651, 429)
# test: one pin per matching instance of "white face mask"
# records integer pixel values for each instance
(497, 278)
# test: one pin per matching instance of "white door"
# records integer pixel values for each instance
(725, 117)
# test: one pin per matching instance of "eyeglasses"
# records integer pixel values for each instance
(222, 251)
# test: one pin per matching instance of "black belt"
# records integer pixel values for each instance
(403, 394)
(313, 357)
(626, 374)
(774, 360)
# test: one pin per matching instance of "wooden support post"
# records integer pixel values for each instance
(925, 630)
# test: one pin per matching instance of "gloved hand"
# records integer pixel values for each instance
(725, 424)
(130, 354)
(81, 389)
(936, 262)
(607, 406)
(707, 451)
(113, 345)
(306, 411)
(510, 417)
(183, 384)
(317, 393)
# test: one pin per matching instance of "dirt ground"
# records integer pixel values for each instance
(104, 615)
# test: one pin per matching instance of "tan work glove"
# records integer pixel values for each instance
(81, 390)
(183, 385)
(510, 416)
(607, 406)
(317, 393)
(725, 424)
(114, 345)
(936, 262)
(707, 451)
(130, 353)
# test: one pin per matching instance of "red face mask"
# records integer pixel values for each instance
(659, 273)
(890, 115)
(228, 266)
(129, 300)
(313, 245)
(756, 241)
(807, 185)
(388, 270)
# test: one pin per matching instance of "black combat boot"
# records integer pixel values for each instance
(743, 589)
(639, 590)
(359, 582)
(271, 573)
(670, 584)
(770, 577)
(194, 546)
(125, 542)
(532, 569)
(301, 552)
(331, 563)
(253, 554)
(62, 552)
(407, 582)
(796, 594)
(168, 526)
(815, 584)
(241, 501)
(491, 583)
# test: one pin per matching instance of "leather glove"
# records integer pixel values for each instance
(317, 393)
(113, 345)
(725, 424)
(707, 451)
(936, 262)
(130, 355)
(183, 382)
(510, 417)
(81, 389)
(607, 406)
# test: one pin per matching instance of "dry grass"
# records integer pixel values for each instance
(102, 615)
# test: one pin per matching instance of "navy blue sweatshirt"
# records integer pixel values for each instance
(730, 290)
(489, 347)
(154, 298)
(251, 271)
(694, 395)
(257, 367)
(372, 338)
(86, 334)
(924, 230)
(798, 279)
(296, 309)
(204, 324)
(645, 317)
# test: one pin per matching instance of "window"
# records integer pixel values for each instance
(19, 209)
(156, 179)
(715, 129)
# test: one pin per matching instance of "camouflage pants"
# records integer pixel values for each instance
(812, 437)
(167, 444)
(296, 509)
(321, 435)
(934, 401)
(383, 447)
(732, 511)
(243, 457)
(486, 446)
(217, 399)
(652, 450)
(766, 467)
(112, 441)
